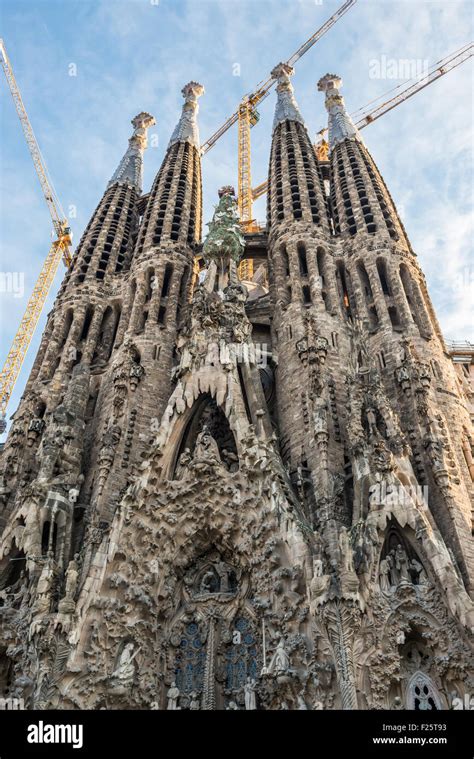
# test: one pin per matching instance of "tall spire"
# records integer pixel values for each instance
(186, 129)
(296, 188)
(360, 200)
(130, 168)
(107, 243)
(341, 126)
(176, 215)
(286, 108)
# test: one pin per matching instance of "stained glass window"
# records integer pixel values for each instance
(190, 660)
(241, 655)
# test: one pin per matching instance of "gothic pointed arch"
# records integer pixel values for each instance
(422, 694)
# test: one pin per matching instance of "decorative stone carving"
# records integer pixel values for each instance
(67, 604)
(280, 661)
(173, 697)
(136, 373)
(110, 441)
(125, 670)
(35, 428)
(422, 694)
(250, 699)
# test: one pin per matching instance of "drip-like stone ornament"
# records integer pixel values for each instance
(186, 129)
(130, 168)
(340, 126)
(286, 108)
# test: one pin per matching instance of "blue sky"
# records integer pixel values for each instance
(134, 55)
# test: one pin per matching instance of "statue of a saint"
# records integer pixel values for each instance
(384, 576)
(401, 561)
(173, 696)
(280, 661)
(209, 583)
(317, 568)
(249, 691)
(346, 550)
(72, 574)
(206, 448)
(420, 575)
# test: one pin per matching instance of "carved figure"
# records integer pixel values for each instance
(173, 696)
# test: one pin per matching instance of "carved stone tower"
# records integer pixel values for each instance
(230, 494)
(82, 327)
(381, 284)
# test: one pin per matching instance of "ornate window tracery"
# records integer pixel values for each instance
(241, 655)
(190, 660)
(422, 694)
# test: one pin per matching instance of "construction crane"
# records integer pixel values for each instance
(362, 118)
(367, 115)
(60, 249)
(247, 116)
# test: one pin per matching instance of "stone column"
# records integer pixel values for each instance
(341, 621)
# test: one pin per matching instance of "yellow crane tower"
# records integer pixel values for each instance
(247, 116)
(60, 249)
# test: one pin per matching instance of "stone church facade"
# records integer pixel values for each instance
(230, 493)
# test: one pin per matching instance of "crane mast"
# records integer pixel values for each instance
(247, 117)
(60, 249)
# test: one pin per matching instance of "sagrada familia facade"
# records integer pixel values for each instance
(234, 486)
